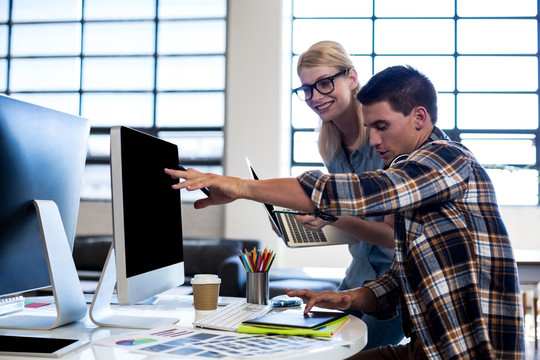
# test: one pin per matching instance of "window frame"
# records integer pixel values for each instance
(454, 133)
(213, 162)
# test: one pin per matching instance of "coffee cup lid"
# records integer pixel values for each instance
(200, 279)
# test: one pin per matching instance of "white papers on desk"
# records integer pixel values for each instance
(188, 343)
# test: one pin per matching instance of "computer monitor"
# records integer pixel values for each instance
(147, 253)
(42, 159)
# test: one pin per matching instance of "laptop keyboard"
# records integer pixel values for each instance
(301, 234)
(230, 317)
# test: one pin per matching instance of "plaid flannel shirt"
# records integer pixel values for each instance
(454, 263)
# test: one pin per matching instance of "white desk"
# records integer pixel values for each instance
(354, 334)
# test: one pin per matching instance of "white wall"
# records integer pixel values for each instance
(257, 96)
(258, 113)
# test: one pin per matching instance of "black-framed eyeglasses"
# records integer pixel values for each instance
(324, 86)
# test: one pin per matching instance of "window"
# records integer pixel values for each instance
(481, 55)
(157, 66)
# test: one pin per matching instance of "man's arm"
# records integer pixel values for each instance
(284, 192)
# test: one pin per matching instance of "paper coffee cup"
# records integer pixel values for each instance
(205, 291)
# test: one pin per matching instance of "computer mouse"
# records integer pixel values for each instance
(285, 301)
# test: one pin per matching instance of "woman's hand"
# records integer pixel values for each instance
(311, 223)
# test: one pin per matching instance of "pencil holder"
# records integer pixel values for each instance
(257, 289)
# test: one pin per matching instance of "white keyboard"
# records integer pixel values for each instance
(11, 305)
(230, 317)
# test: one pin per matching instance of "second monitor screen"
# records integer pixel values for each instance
(152, 215)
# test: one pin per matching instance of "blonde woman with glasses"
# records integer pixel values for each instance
(329, 86)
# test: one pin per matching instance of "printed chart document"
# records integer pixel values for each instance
(183, 342)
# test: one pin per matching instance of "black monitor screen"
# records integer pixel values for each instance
(152, 221)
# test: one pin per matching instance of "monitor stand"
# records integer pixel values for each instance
(100, 310)
(66, 287)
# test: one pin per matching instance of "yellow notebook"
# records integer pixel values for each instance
(327, 330)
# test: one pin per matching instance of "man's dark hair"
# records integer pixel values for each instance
(403, 87)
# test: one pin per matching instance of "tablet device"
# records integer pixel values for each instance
(38, 346)
(296, 319)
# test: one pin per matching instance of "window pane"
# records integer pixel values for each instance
(133, 38)
(190, 109)
(305, 147)
(45, 74)
(496, 73)
(363, 66)
(487, 8)
(4, 10)
(335, 8)
(99, 145)
(515, 187)
(39, 10)
(483, 111)
(499, 149)
(31, 40)
(96, 182)
(110, 109)
(191, 73)
(446, 111)
(414, 8)
(118, 73)
(182, 9)
(119, 9)
(344, 31)
(3, 40)
(497, 36)
(192, 37)
(65, 102)
(196, 145)
(3, 75)
(439, 69)
(404, 36)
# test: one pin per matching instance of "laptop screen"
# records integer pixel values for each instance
(268, 207)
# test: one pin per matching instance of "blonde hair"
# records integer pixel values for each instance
(331, 53)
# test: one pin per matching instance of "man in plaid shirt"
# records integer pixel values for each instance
(453, 272)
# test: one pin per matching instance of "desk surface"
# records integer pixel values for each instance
(351, 339)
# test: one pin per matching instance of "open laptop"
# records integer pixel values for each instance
(295, 235)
